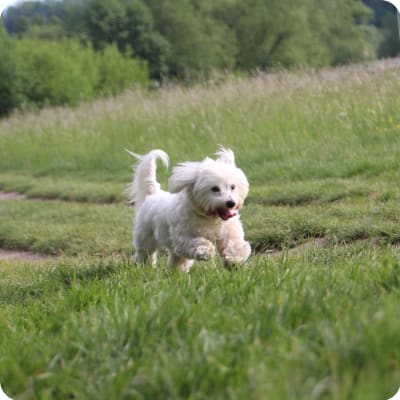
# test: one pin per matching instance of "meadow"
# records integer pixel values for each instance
(321, 150)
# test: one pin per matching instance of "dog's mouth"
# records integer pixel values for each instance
(226, 213)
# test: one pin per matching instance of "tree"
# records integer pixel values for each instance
(188, 39)
(312, 32)
(343, 34)
(129, 24)
(105, 21)
(385, 19)
(199, 43)
(389, 45)
(8, 98)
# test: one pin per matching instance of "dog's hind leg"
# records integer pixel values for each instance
(145, 248)
(184, 264)
(146, 257)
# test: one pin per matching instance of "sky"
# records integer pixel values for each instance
(6, 3)
(396, 3)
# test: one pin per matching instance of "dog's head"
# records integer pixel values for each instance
(216, 187)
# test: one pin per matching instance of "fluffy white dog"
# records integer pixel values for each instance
(198, 215)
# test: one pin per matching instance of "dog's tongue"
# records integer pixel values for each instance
(225, 213)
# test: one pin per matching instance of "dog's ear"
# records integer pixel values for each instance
(183, 176)
(225, 155)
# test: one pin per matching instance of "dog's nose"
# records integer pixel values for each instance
(230, 204)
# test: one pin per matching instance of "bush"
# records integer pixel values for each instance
(54, 72)
(117, 72)
(7, 74)
(62, 72)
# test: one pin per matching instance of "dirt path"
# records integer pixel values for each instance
(28, 256)
(14, 255)
(320, 243)
(12, 196)
(313, 243)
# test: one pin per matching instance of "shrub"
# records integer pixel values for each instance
(54, 72)
(118, 72)
(36, 72)
(7, 73)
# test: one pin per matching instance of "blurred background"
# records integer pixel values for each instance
(66, 51)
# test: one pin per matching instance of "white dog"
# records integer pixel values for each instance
(197, 215)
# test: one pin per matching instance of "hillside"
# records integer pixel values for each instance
(313, 314)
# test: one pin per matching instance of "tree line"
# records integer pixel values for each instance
(187, 40)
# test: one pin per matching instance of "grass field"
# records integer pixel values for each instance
(322, 154)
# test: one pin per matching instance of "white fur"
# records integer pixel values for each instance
(188, 220)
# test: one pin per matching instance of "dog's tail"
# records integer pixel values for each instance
(144, 177)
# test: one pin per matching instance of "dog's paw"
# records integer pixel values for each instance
(236, 253)
(230, 260)
(204, 251)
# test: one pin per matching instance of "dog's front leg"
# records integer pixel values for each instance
(235, 252)
(232, 246)
(200, 249)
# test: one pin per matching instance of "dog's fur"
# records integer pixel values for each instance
(196, 216)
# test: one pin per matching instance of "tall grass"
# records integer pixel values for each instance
(331, 123)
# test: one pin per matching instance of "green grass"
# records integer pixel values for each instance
(322, 153)
(66, 228)
(276, 217)
(322, 325)
(71, 189)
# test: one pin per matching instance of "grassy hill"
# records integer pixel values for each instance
(322, 154)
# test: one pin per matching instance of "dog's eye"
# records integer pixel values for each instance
(233, 187)
(215, 189)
